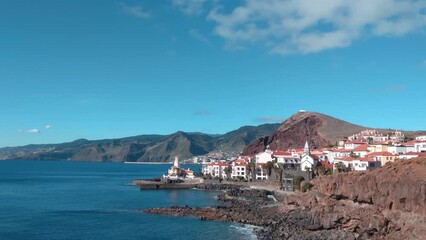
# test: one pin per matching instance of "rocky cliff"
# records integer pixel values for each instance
(397, 186)
(386, 203)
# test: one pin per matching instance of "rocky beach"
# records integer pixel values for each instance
(386, 203)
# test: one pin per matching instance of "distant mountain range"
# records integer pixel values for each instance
(143, 148)
(318, 129)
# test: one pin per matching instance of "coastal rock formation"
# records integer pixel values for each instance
(386, 203)
(397, 186)
(318, 129)
(236, 190)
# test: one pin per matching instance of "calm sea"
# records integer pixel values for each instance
(87, 200)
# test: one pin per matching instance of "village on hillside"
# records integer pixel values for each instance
(363, 151)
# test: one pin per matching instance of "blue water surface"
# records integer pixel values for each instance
(89, 200)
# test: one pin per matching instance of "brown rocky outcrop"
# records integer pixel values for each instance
(397, 186)
(318, 129)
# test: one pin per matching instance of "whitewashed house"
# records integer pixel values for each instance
(289, 159)
(421, 138)
(215, 169)
(265, 156)
(420, 146)
(397, 148)
(260, 173)
(239, 169)
(354, 144)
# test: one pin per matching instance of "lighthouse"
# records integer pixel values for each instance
(176, 162)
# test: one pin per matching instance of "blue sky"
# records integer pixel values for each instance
(106, 69)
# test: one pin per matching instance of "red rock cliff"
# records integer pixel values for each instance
(397, 186)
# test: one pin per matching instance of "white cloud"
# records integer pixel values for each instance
(33, 131)
(200, 37)
(136, 11)
(306, 26)
(190, 7)
(48, 126)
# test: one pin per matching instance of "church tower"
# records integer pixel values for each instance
(306, 150)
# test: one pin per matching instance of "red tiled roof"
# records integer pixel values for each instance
(361, 148)
(415, 154)
(240, 164)
(240, 161)
(381, 154)
(347, 159)
(367, 159)
(409, 144)
(356, 142)
(220, 164)
(343, 150)
(281, 153)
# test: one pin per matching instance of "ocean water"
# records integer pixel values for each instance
(88, 200)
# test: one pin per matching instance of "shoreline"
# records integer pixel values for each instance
(165, 163)
(303, 216)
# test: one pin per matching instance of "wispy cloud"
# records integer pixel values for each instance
(287, 26)
(269, 119)
(136, 11)
(200, 37)
(190, 7)
(202, 112)
(31, 131)
(48, 126)
(395, 88)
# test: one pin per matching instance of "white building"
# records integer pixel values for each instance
(354, 144)
(421, 138)
(359, 164)
(308, 161)
(265, 156)
(289, 159)
(260, 173)
(215, 169)
(397, 149)
(368, 135)
(239, 169)
(420, 146)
